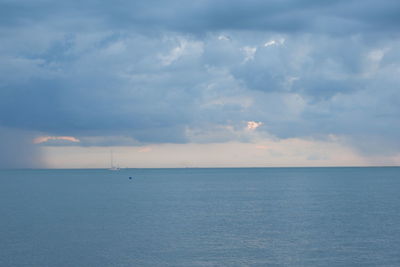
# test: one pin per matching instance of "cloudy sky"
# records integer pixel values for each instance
(199, 83)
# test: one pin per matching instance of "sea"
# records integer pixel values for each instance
(201, 217)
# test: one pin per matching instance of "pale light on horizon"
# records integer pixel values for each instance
(292, 152)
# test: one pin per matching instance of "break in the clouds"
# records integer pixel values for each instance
(142, 72)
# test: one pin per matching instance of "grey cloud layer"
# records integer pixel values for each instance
(210, 15)
(160, 71)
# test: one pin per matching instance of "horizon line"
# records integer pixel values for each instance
(222, 167)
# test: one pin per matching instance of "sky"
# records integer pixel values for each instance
(207, 83)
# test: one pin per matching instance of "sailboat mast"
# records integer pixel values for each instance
(112, 167)
(112, 159)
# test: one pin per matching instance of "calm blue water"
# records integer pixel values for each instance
(201, 217)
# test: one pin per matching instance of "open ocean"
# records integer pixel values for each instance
(201, 217)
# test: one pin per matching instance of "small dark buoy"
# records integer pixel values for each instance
(130, 177)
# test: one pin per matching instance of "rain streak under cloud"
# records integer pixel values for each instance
(143, 73)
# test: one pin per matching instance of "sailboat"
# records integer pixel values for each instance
(113, 168)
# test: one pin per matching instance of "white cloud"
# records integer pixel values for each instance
(252, 125)
(224, 38)
(249, 52)
(184, 48)
(174, 54)
(279, 41)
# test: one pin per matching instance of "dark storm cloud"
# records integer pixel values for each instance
(159, 71)
(206, 15)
